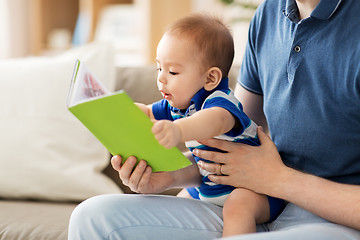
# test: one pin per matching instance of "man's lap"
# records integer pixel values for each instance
(164, 217)
(297, 224)
(145, 217)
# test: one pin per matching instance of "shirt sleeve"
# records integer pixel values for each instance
(230, 103)
(161, 110)
(248, 76)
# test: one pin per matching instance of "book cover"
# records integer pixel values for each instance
(118, 123)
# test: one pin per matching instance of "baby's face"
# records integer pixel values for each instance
(180, 71)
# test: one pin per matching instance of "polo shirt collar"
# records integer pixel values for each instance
(202, 94)
(291, 11)
(323, 11)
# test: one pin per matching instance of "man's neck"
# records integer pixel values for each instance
(306, 7)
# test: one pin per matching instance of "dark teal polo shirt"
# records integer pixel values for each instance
(308, 72)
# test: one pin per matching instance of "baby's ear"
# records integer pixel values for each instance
(213, 78)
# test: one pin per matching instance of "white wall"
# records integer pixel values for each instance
(4, 30)
(14, 35)
(228, 13)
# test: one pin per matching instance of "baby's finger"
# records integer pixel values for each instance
(157, 127)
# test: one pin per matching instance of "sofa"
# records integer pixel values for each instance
(49, 161)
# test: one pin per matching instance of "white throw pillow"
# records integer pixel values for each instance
(46, 153)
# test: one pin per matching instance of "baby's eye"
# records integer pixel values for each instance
(159, 69)
(173, 73)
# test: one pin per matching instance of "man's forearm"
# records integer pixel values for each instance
(322, 197)
(186, 177)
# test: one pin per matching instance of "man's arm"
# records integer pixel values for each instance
(261, 170)
(339, 203)
(252, 105)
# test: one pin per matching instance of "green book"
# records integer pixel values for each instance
(118, 123)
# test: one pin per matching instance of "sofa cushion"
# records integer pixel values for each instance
(34, 220)
(139, 83)
(46, 153)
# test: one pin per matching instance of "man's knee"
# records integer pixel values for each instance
(86, 217)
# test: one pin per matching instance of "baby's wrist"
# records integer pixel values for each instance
(179, 132)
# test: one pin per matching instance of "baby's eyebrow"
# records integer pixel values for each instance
(170, 64)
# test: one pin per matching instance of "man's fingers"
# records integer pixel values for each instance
(145, 179)
(224, 145)
(215, 168)
(136, 176)
(126, 169)
(217, 157)
(116, 162)
(219, 179)
(263, 138)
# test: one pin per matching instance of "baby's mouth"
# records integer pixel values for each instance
(165, 95)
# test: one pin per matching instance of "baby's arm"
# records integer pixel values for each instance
(146, 109)
(204, 124)
(165, 131)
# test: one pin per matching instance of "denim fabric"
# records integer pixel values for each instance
(165, 217)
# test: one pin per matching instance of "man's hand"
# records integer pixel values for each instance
(140, 178)
(242, 165)
(167, 133)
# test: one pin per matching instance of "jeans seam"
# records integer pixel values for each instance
(160, 226)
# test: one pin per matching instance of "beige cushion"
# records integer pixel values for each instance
(34, 220)
(46, 153)
(139, 83)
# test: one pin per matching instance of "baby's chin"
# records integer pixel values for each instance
(178, 106)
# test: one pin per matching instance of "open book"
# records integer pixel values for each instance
(118, 123)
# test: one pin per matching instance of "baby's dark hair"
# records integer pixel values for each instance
(212, 38)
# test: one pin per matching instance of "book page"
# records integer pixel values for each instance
(85, 85)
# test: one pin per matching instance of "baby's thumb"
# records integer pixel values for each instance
(156, 127)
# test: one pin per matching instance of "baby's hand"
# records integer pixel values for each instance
(167, 133)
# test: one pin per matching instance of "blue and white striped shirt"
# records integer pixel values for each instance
(245, 131)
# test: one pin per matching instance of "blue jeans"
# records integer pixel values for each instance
(167, 217)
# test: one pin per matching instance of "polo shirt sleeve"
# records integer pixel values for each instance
(230, 103)
(161, 110)
(248, 76)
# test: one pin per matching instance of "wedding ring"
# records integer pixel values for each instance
(220, 165)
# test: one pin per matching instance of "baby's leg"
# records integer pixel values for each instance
(184, 193)
(243, 209)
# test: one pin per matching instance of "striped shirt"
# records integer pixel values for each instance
(244, 132)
